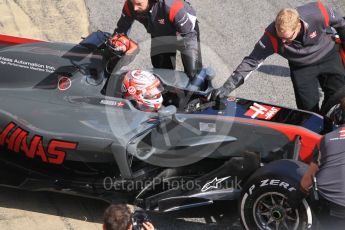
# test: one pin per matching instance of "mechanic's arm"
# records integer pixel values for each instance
(261, 51)
(337, 21)
(185, 24)
(126, 20)
(307, 179)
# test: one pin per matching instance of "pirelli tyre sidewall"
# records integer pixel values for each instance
(274, 199)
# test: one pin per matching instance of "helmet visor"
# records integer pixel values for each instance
(153, 91)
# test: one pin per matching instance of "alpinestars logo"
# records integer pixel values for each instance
(265, 112)
(214, 184)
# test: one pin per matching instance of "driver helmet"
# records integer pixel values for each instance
(144, 89)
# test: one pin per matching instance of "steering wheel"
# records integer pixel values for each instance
(197, 105)
(113, 48)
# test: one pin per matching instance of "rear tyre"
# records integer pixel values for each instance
(267, 205)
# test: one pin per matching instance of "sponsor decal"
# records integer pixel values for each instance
(214, 184)
(26, 64)
(64, 83)
(207, 127)
(341, 135)
(120, 104)
(161, 21)
(132, 90)
(272, 182)
(17, 140)
(265, 112)
(313, 35)
(112, 103)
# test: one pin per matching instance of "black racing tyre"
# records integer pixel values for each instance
(266, 204)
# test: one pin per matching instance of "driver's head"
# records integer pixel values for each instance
(144, 89)
(141, 6)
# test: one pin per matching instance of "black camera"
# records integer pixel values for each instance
(138, 218)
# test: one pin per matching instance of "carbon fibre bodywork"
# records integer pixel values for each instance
(64, 127)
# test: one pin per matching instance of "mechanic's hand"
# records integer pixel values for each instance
(120, 42)
(306, 183)
(307, 179)
(220, 93)
(148, 226)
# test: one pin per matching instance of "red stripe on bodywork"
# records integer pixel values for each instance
(274, 41)
(11, 40)
(126, 9)
(175, 8)
(308, 138)
(324, 13)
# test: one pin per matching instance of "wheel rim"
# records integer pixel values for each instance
(272, 211)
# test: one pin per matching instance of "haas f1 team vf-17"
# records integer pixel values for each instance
(65, 127)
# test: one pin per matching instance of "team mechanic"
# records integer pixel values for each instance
(328, 166)
(303, 36)
(173, 26)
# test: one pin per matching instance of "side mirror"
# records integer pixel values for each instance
(210, 73)
(167, 112)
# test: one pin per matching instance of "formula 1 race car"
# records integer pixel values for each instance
(65, 127)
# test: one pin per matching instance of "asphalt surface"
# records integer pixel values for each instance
(229, 30)
(44, 19)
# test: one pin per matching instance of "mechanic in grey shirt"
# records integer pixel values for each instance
(172, 25)
(329, 168)
(301, 36)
